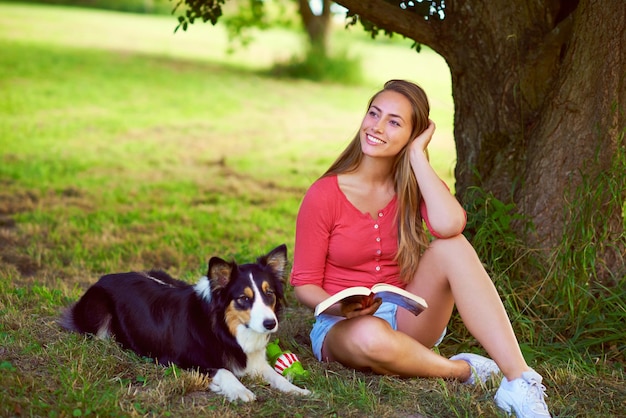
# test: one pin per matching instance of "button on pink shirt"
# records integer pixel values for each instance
(338, 246)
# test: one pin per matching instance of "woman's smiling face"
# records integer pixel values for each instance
(387, 125)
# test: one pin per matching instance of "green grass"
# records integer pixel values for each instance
(123, 146)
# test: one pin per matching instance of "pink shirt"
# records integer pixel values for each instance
(338, 246)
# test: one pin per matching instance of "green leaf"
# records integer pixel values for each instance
(7, 365)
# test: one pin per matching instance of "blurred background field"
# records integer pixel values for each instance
(124, 35)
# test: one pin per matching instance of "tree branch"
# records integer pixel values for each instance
(393, 18)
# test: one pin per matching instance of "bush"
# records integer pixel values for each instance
(318, 66)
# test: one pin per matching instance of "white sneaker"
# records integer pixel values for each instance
(481, 367)
(523, 396)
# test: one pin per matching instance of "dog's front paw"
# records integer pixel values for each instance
(301, 391)
(225, 383)
(234, 393)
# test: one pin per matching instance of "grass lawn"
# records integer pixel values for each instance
(124, 146)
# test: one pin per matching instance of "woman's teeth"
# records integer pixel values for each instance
(374, 139)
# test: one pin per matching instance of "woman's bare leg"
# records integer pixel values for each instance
(369, 342)
(450, 273)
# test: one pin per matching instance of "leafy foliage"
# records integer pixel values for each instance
(205, 10)
(241, 17)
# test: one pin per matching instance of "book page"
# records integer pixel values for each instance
(387, 292)
(345, 293)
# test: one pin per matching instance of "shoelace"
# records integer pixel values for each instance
(537, 392)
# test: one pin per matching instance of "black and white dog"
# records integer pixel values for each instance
(220, 326)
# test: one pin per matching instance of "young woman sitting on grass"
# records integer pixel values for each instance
(361, 223)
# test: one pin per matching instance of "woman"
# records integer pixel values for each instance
(361, 223)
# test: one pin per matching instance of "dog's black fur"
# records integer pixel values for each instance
(219, 326)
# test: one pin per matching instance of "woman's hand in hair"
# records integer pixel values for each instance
(420, 143)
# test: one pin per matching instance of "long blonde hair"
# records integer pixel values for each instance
(412, 238)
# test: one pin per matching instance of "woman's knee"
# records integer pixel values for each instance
(451, 248)
(366, 337)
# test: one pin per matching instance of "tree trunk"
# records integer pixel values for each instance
(317, 26)
(539, 92)
(580, 133)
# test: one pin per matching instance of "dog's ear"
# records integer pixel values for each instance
(219, 272)
(276, 260)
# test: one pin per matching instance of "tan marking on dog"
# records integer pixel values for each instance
(235, 317)
(266, 286)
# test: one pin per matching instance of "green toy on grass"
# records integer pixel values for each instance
(285, 362)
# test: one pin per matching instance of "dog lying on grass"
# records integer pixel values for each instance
(219, 326)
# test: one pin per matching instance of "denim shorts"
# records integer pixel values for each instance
(324, 323)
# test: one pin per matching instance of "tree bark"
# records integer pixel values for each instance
(539, 100)
(580, 133)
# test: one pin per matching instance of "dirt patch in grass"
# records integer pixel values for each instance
(12, 257)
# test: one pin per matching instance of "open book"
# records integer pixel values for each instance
(386, 292)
